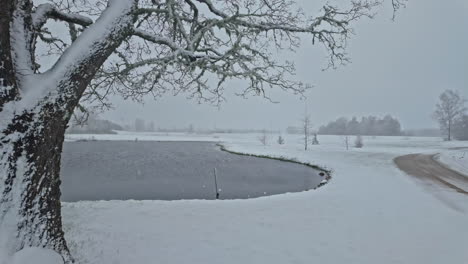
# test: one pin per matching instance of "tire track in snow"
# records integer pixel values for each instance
(432, 173)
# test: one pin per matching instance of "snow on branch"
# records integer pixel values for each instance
(181, 46)
(171, 44)
(397, 4)
(49, 11)
(196, 46)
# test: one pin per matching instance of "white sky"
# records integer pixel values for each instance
(398, 68)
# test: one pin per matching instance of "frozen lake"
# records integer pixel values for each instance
(121, 170)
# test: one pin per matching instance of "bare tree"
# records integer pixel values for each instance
(280, 140)
(358, 143)
(346, 141)
(315, 139)
(450, 107)
(306, 128)
(133, 48)
(263, 138)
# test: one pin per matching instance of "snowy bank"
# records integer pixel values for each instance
(370, 213)
(456, 160)
(35, 256)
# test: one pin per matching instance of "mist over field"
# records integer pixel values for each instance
(398, 67)
(233, 131)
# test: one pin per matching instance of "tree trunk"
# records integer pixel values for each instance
(31, 147)
(32, 128)
(449, 130)
(8, 88)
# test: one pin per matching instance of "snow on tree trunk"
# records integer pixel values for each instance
(8, 89)
(30, 164)
(34, 112)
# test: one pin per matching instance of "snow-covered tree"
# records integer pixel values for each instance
(451, 106)
(306, 129)
(280, 140)
(263, 138)
(134, 48)
(315, 140)
(346, 142)
(358, 143)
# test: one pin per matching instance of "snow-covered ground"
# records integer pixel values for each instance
(456, 159)
(35, 255)
(370, 212)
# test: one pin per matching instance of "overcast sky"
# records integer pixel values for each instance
(397, 67)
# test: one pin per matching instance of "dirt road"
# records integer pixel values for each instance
(435, 178)
(426, 168)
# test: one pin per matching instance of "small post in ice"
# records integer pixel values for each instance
(216, 184)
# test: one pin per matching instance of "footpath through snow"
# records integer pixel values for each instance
(370, 212)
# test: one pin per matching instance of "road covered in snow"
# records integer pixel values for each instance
(371, 212)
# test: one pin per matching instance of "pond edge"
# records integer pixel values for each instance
(328, 172)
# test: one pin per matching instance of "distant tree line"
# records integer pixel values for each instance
(423, 132)
(366, 126)
(93, 125)
(143, 126)
(192, 129)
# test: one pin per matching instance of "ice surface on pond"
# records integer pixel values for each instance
(121, 170)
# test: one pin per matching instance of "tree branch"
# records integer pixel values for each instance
(175, 47)
(180, 45)
(78, 64)
(48, 11)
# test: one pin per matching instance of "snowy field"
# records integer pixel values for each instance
(370, 212)
(455, 159)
